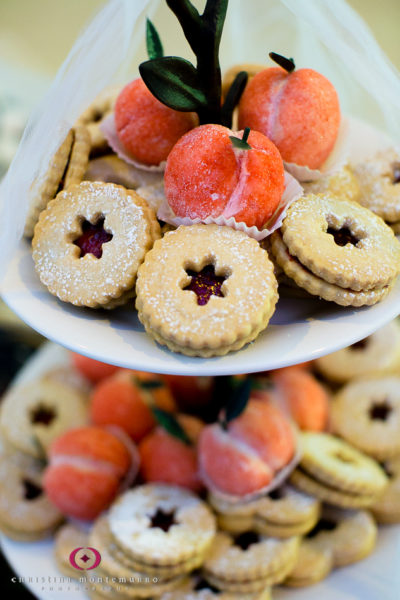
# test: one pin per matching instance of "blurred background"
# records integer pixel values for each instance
(35, 37)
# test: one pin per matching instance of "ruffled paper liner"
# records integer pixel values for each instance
(335, 161)
(292, 192)
(133, 470)
(108, 129)
(280, 477)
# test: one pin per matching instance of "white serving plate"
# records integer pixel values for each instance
(300, 329)
(375, 578)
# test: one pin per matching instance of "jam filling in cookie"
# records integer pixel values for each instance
(205, 284)
(93, 237)
(163, 519)
(343, 236)
(31, 490)
(380, 411)
(42, 414)
(246, 539)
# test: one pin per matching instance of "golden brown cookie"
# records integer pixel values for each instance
(161, 526)
(93, 116)
(26, 514)
(341, 242)
(112, 169)
(197, 292)
(379, 179)
(285, 512)
(349, 534)
(314, 563)
(366, 413)
(248, 563)
(387, 508)
(343, 184)
(316, 286)
(35, 414)
(377, 354)
(90, 242)
(68, 538)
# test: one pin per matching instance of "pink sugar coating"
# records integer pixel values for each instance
(299, 112)
(205, 176)
(147, 128)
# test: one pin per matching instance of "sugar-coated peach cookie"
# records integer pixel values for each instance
(206, 176)
(93, 370)
(303, 396)
(125, 400)
(167, 459)
(243, 458)
(299, 111)
(147, 128)
(190, 392)
(85, 471)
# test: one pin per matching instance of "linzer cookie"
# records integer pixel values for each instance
(198, 588)
(284, 512)
(26, 513)
(68, 538)
(377, 354)
(197, 292)
(66, 168)
(387, 508)
(313, 564)
(162, 528)
(35, 414)
(379, 179)
(342, 183)
(366, 413)
(249, 562)
(349, 534)
(90, 242)
(338, 473)
(337, 249)
(94, 115)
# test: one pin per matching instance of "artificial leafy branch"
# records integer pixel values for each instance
(183, 86)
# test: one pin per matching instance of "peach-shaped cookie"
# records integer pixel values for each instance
(208, 176)
(93, 370)
(166, 458)
(297, 109)
(147, 128)
(243, 457)
(190, 393)
(125, 400)
(85, 471)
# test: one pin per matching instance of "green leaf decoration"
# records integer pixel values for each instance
(282, 61)
(174, 82)
(153, 41)
(261, 384)
(241, 143)
(233, 96)
(171, 425)
(152, 384)
(240, 394)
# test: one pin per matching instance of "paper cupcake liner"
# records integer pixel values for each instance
(280, 477)
(107, 127)
(133, 470)
(335, 161)
(292, 192)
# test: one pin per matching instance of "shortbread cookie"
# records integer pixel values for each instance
(198, 588)
(387, 508)
(341, 242)
(248, 563)
(35, 414)
(90, 242)
(377, 354)
(379, 179)
(26, 514)
(343, 184)
(366, 413)
(349, 534)
(67, 539)
(316, 286)
(197, 292)
(112, 169)
(161, 526)
(154, 195)
(285, 512)
(94, 115)
(314, 563)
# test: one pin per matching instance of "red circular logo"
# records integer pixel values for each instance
(85, 558)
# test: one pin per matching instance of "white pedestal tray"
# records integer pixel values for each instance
(300, 329)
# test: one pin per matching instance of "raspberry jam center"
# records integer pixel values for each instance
(205, 284)
(92, 239)
(163, 520)
(342, 236)
(43, 415)
(31, 490)
(380, 411)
